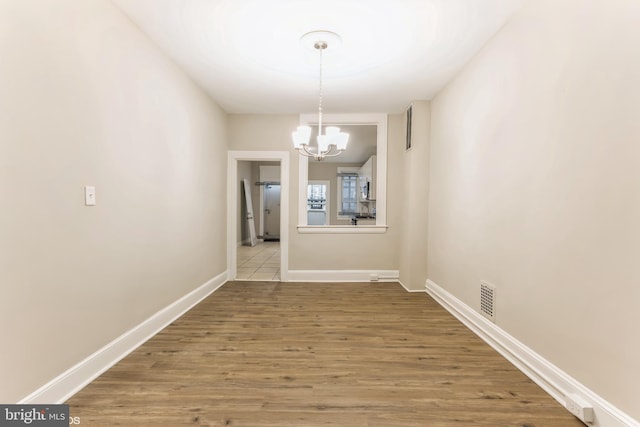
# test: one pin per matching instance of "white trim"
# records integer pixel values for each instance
(552, 379)
(413, 291)
(233, 157)
(74, 379)
(303, 180)
(378, 119)
(342, 229)
(342, 275)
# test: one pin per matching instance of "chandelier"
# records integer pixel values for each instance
(332, 142)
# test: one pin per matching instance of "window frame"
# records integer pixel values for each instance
(380, 120)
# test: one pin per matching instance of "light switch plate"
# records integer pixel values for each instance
(89, 195)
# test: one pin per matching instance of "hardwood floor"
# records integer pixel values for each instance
(291, 354)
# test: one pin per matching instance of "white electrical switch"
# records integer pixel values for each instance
(89, 195)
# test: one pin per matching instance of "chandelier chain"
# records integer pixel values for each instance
(328, 145)
(320, 46)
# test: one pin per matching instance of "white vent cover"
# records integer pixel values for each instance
(488, 301)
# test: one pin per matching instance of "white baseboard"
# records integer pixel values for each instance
(342, 275)
(410, 290)
(65, 385)
(548, 376)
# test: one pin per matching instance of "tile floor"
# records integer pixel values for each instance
(261, 262)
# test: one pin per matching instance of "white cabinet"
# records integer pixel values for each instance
(367, 176)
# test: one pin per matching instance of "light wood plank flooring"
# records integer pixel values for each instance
(291, 354)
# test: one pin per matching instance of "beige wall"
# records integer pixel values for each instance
(534, 187)
(326, 251)
(86, 99)
(415, 175)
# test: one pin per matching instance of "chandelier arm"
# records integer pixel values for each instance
(331, 149)
(329, 154)
(307, 152)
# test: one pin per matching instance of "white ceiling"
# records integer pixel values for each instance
(247, 53)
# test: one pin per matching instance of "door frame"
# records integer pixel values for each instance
(233, 195)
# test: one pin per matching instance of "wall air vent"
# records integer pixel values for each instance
(488, 301)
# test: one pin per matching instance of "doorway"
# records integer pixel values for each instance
(265, 207)
(269, 183)
(271, 212)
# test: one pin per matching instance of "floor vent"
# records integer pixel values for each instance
(488, 301)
